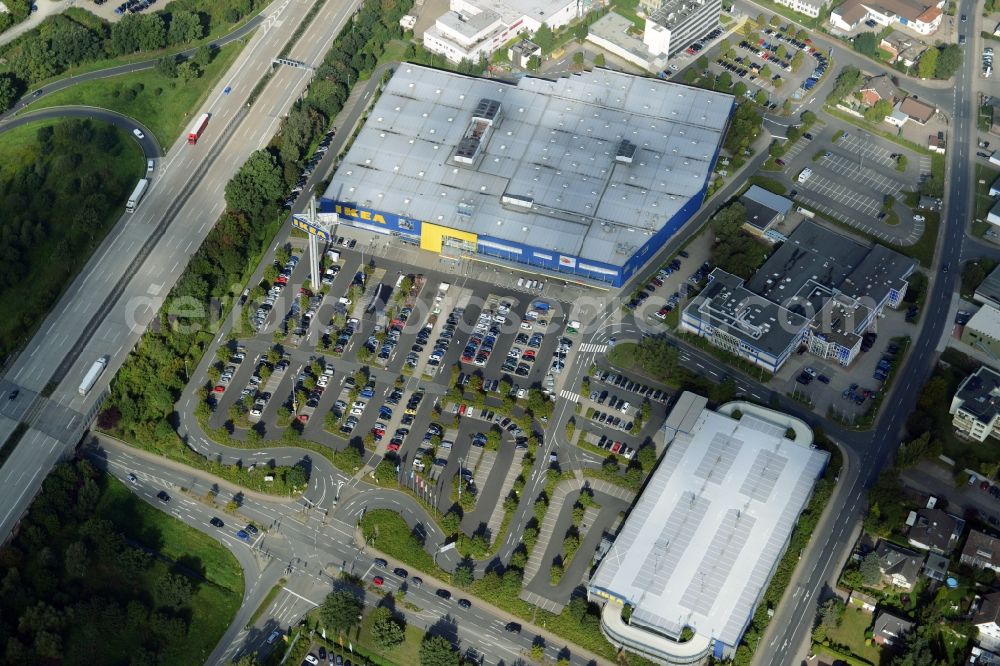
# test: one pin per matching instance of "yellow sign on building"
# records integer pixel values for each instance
(432, 237)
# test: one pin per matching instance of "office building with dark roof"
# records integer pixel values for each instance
(583, 178)
(820, 289)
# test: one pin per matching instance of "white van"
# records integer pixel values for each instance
(804, 176)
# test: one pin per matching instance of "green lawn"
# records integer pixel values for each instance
(394, 538)
(851, 634)
(171, 538)
(162, 104)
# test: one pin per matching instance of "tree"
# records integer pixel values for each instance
(188, 71)
(761, 98)
(871, 571)
(878, 111)
(437, 650)
(173, 590)
(256, 184)
(462, 575)
(949, 61)
(724, 82)
(184, 27)
(386, 630)
(831, 612)
(927, 65)
(599, 60)
(534, 62)
(340, 610)
(846, 82)
(203, 56)
(739, 89)
(866, 43)
(8, 91)
(578, 58)
(76, 560)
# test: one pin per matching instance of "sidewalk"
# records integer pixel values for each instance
(848, 479)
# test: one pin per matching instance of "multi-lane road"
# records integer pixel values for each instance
(127, 279)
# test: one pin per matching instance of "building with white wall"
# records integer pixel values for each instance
(472, 29)
(677, 24)
(810, 8)
(921, 16)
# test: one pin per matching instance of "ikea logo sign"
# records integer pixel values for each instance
(359, 214)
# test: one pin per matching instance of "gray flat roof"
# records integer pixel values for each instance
(553, 143)
(615, 28)
(989, 290)
(728, 305)
(775, 202)
(705, 535)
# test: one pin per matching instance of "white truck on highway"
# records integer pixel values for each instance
(133, 200)
(93, 374)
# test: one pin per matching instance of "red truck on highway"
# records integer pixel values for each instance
(196, 129)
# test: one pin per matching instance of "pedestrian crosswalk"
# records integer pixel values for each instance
(569, 395)
(593, 347)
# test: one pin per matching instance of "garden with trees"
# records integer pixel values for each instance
(62, 187)
(95, 573)
(75, 38)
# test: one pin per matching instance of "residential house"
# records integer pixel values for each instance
(986, 620)
(862, 601)
(935, 530)
(878, 88)
(921, 16)
(810, 8)
(995, 187)
(981, 551)
(936, 567)
(936, 143)
(899, 565)
(975, 409)
(890, 629)
(917, 111)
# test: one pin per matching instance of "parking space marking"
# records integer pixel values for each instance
(872, 151)
(862, 174)
(843, 195)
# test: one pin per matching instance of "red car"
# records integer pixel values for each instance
(378, 580)
(394, 444)
(220, 389)
(985, 485)
(281, 279)
(303, 418)
(462, 409)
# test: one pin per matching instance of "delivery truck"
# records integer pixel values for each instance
(96, 370)
(197, 129)
(136, 196)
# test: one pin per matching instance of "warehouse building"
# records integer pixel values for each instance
(586, 176)
(697, 551)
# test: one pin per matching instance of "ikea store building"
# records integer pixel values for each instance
(585, 177)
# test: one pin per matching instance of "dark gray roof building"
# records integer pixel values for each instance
(976, 405)
(763, 208)
(819, 287)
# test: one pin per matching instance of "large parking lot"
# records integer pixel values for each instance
(850, 175)
(428, 370)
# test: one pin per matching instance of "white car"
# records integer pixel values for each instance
(138, 133)
(255, 412)
(418, 465)
(359, 404)
(521, 393)
(918, 218)
(357, 411)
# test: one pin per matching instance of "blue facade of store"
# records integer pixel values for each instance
(523, 253)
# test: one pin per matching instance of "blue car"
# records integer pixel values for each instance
(228, 90)
(243, 535)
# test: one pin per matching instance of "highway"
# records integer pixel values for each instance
(127, 279)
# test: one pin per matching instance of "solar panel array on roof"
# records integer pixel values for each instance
(703, 538)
